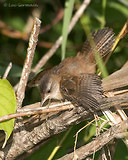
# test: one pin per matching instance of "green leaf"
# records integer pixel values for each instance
(119, 7)
(103, 13)
(7, 106)
(101, 65)
(67, 16)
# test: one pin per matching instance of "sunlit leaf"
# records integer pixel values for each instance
(7, 106)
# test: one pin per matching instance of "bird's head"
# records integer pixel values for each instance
(50, 87)
(48, 84)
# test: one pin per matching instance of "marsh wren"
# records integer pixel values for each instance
(74, 78)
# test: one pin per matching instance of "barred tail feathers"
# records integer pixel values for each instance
(100, 41)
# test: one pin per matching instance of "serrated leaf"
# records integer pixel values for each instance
(7, 106)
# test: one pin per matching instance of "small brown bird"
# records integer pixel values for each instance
(74, 78)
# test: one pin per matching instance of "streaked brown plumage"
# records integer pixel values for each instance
(74, 78)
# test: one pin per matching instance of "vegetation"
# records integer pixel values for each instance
(15, 27)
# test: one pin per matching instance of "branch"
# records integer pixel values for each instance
(10, 32)
(54, 21)
(7, 70)
(28, 62)
(40, 110)
(115, 131)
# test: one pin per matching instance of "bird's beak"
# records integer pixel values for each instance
(44, 98)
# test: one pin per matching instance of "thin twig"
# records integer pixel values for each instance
(54, 21)
(50, 53)
(120, 36)
(28, 62)
(40, 110)
(36, 106)
(76, 135)
(10, 32)
(7, 70)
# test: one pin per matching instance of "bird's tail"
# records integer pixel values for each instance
(99, 42)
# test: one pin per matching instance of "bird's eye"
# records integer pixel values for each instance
(49, 91)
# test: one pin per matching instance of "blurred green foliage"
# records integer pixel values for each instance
(100, 13)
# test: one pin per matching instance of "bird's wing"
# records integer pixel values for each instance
(82, 90)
